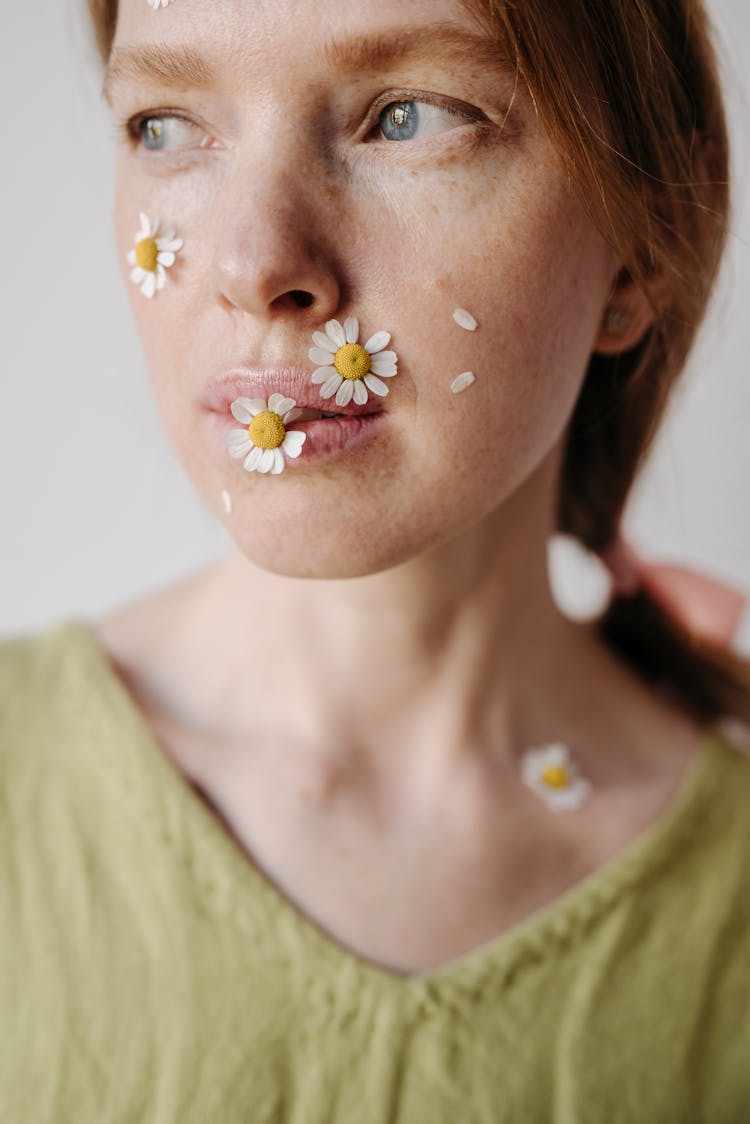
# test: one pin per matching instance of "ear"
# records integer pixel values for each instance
(628, 315)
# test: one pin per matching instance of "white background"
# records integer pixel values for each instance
(95, 509)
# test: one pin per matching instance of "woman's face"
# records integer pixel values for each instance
(360, 159)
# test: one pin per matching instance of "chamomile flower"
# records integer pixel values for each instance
(553, 775)
(152, 256)
(349, 369)
(265, 439)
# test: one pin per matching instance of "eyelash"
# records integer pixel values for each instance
(130, 127)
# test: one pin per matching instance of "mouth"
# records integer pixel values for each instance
(292, 383)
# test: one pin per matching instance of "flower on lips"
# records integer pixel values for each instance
(349, 369)
(552, 774)
(266, 438)
(151, 256)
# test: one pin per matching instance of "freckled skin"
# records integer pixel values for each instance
(396, 233)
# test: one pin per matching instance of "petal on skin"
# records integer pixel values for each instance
(131, 258)
(145, 226)
(242, 410)
(360, 392)
(329, 389)
(164, 237)
(165, 257)
(336, 332)
(319, 356)
(137, 275)
(345, 393)
(378, 342)
(461, 382)
(170, 244)
(161, 276)
(384, 367)
(278, 462)
(351, 329)
(252, 460)
(149, 285)
(265, 464)
(324, 341)
(293, 442)
(376, 385)
(387, 357)
(323, 374)
(464, 319)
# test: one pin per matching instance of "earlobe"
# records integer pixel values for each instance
(628, 315)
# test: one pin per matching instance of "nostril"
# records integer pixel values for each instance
(301, 298)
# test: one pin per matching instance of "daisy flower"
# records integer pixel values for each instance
(552, 774)
(349, 369)
(265, 439)
(152, 255)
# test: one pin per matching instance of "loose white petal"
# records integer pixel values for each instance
(351, 329)
(461, 383)
(227, 501)
(336, 332)
(360, 392)
(324, 341)
(376, 385)
(319, 356)
(251, 463)
(378, 342)
(345, 393)
(323, 374)
(464, 319)
(329, 389)
(293, 443)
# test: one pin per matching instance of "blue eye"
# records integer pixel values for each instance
(163, 134)
(407, 120)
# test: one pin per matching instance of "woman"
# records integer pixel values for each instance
(356, 826)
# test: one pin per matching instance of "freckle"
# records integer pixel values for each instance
(227, 500)
(462, 382)
(465, 320)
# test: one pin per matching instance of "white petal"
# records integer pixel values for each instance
(378, 342)
(145, 230)
(137, 275)
(173, 244)
(384, 367)
(252, 460)
(293, 443)
(131, 258)
(292, 415)
(324, 341)
(149, 285)
(323, 374)
(275, 401)
(265, 464)
(351, 329)
(242, 410)
(464, 319)
(319, 356)
(237, 452)
(285, 406)
(376, 385)
(165, 258)
(360, 392)
(237, 437)
(161, 276)
(255, 405)
(329, 389)
(462, 381)
(345, 393)
(278, 462)
(336, 332)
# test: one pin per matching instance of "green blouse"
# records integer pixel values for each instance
(150, 973)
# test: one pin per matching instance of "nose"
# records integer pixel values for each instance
(274, 255)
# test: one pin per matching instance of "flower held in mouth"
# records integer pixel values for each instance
(152, 255)
(265, 439)
(551, 773)
(349, 369)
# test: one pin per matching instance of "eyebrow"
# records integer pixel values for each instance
(182, 67)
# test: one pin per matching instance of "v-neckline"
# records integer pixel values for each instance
(575, 906)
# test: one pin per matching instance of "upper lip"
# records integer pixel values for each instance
(248, 382)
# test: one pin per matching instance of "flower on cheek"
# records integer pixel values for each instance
(266, 439)
(552, 774)
(152, 256)
(349, 369)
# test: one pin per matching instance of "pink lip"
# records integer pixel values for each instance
(326, 438)
(245, 382)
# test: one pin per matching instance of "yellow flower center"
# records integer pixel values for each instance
(352, 361)
(267, 430)
(555, 776)
(146, 252)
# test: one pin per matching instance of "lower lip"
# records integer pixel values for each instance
(327, 438)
